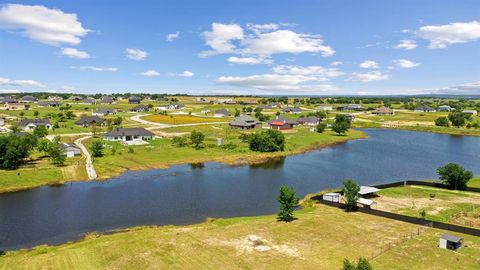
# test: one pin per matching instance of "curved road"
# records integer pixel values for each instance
(137, 118)
(92, 174)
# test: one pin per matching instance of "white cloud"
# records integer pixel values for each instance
(404, 63)
(335, 63)
(9, 91)
(249, 60)
(150, 73)
(172, 36)
(261, 40)
(221, 37)
(39, 23)
(369, 64)
(186, 73)
(74, 53)
(67, 88)
(92, 68)
(31, 83)
(136, 54)
(320, 73)
(368, 76)
(406, 44)
(442, 36)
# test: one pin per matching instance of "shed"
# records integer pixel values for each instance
(365, 190)
(449, 241)
(366, 202)
(70, 150)
(332, 197)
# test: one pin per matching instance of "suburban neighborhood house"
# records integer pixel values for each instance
(424, 108)
(134, 100)
(31, 124)
(293, 110)
(324, 108)
(384, 111)
(245, 122)
(222, 113)
(104, 112)
(470, 112)
(445, 108)
(129, 135)
(140, 108)
(309, 120)
(49, 103)
(70, 150)
(86, 121)
(28, 99)
(282, 123)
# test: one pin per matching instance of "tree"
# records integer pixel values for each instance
(97, 148)
(288, 199)
(348, 265)
(56, 154)
(350, 191)
(442, 122)
(458, 119)
(267, 141)
(22, 114)
(69, 114)
(237, 113)
(362, 264)
(14, 149)
(340, 127)
(36, 114)
(43, 145)
(197, 138)
(454, 175)
(40, 131)
(179, 141)
(321, 127)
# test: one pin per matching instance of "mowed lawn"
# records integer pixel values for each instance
(321, 238)
(181, 119)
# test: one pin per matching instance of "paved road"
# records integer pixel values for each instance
(159, 125)
(92, 174)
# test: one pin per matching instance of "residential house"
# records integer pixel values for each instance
(49, 103)
(384, 111)
(424, 108)
(309, 120)
(129, 135)
(245, 122)
(104, 112)
(75, 98)
(324, 108)
(222, 113)
(55, 98)
(294, 110)
(448, 241)
(31, 124)
(282, 123)
(15, 106)
(70, 150)
(134, 100)
(470, 112)
(205, 111)
(89, 101)
(445, 108)
(86, 121)
(28, 99)
(108, 100)
(266, 107)
(140, 108)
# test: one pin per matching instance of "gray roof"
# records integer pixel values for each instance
(222, 111)
(367, 190)
(68, 145)
(244, 121)
(451, 238)
(129, 132)
(424, 108)
(29, 98)
(294, 109)
(49, 103)
(134, 98)
(38, 122)
(308, 119)
(89, 120)
(105, 111)
(140, 107)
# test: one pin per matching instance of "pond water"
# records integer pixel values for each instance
(188, 194)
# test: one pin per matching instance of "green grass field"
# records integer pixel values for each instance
(475, 182)
(181, 119)
(322, 237)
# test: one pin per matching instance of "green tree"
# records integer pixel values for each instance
(15, 149)
(340, 128)
(36, 114)
(179, 141)
(321, 127)
(69, 114)
(348, 265)
(197, 138)
(350, 191)
(288, 199)
(364, 264)
(40, 131)
(22, 114)
(454, 175)
(56, 154)
(458, 119)
(267, 141)
(43, 145)
(442, 122)
(237, 113)
(97, 148)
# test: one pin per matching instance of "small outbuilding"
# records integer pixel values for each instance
(70, 150)
(332, 197)
(448, 241)
(366, 191)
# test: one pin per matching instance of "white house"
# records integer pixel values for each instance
(332, 197)
(31, 124)
(471, 112)
(129, 135)
(103, 112)
(70, 150)
(324, 108)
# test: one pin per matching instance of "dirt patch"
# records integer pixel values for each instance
(254, 243)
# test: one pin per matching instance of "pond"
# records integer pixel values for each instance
(187, 194)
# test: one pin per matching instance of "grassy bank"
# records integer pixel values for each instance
(160, 153)
(313, 239)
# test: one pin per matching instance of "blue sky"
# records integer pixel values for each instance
(241, 47)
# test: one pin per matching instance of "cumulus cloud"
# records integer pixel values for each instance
(74, 53)
(404, 63)
(406, 44)
(320, 73)
(93, 68)
(261, 40)
(369, 64)
(186, 73)
(368, 76)
(172, 36)
(136, 54)
(336, 63)
(249, 60)
(442, 36)
(150, 73)
(9, 91)
(42, 24)
(31, 83)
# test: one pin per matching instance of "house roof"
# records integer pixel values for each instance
(139, 107)
(89, 120)
(68, 145)
(367, 190)
(244, 120)
(104, 111)
(222, 111)
(383, 109)
(134, 98)
(38, 122)
(29, 98)
(281, 120)
(364, 201)
(308, 119)
(424, 108)
(469, 111)
(294, 109)
(129, 132)
(451, 238)
(49, 103)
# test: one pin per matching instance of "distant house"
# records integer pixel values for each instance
(332, 197)
(230, 102)
(129, 135)
(324, 108)
(89, 101)
(424, 108)
(31, 124)
(245, 122)
(276, 105)
(282, 123)
(350, 117)
(384, 111)
(107, 100)
(293, 110)
(55, 98)
(89, 120)
(164, 99)
(6, 100)
(222, 113)
(14, 106)
(75, 98)
(104, 112)
(309, 120)
(448, 241)
(354, 107)
(265, 107)
(28, 99)
(445, 108)
(70, 150)
(134, 100)
(49, 103)
(205, 111)
(366, 191)
(175, 106)
(470, 112)
(140, 108)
